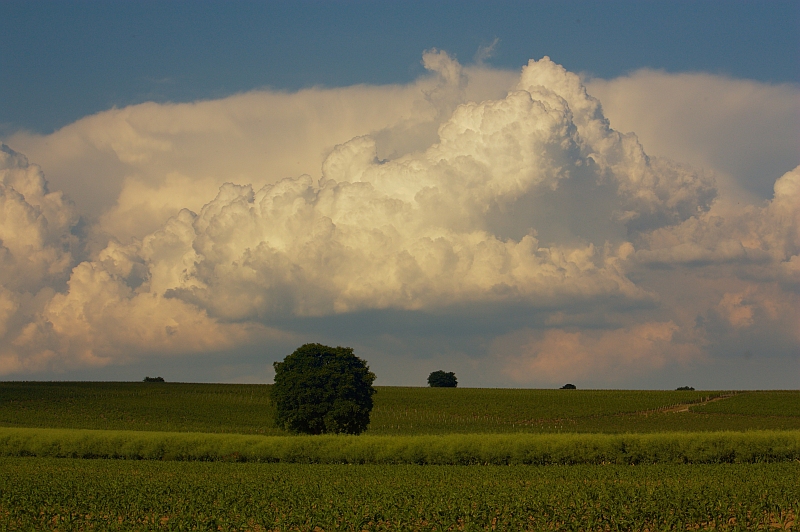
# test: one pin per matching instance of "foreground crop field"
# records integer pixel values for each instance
(247, 409)
(107, 495)
(208, 457)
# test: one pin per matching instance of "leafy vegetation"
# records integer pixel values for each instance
(320, 389)
(63, 494)
(442, 379)
(452, 449)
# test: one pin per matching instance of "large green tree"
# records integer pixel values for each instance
(320, 389)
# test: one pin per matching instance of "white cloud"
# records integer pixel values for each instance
(141, 164)
(36, 253)
(446, 197)
(412, 233)
(745, 131)
(35, 225)
(768, 235)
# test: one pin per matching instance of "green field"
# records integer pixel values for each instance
(53, 494)
(187, 459)
(247, 409)
(754, 404)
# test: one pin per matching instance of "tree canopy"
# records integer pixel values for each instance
(320, 389)
(442, 379)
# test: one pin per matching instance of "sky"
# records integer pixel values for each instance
(524, 193)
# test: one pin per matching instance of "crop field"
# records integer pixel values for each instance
(65, 494)
(247, 409)
(753, 404)
(244, 409)
(208, 457)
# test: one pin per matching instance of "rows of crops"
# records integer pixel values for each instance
(203, 443)
(64, 494)
(755, 404)
(247, 409)
(438, 410)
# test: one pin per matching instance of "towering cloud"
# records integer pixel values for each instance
(37, 248)
(529, 202)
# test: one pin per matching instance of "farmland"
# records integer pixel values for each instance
(247, 409)
(147, 495)
(208, 456)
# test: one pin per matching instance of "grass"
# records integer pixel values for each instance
(247, 409)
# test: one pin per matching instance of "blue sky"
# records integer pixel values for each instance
(194, 189)
(65, 60)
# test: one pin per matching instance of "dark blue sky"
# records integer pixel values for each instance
(63, 60)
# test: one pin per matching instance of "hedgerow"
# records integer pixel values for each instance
(511, 449)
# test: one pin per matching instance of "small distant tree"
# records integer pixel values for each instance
(569, 387)
(442, 379)
(685, 389)
(320, 389)
(154, 379)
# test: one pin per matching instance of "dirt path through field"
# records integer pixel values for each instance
(685, 407)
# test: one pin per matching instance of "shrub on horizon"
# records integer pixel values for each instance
(154, 379)
(569, 387)
(442, 379)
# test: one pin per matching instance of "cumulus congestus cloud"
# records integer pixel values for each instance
(438, 228)
(531, 201)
